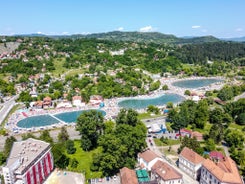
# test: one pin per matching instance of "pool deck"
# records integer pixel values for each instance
(111, 105)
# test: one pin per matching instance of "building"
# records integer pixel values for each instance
(128, 176)
(77, 101)
(96, 99)
(165, 174)
(29, 162)
(147, 159)
(222, 172)
(47, 102)
(190, 162)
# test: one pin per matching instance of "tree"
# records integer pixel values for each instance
(45, 136)
(165, 87)
(74, 163)
(234, 138)
(27, 136)
(90, 125)
(153, 109)
(170, 105)
(70, 147)
(187, 92)
(216, 132)
(63, 136)
(191, 143)
(8, 145)
(60, 160)
(210, 145)
(201, 115)
(240, 120)
(129, 117)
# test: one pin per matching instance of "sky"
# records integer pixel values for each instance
(220, 18)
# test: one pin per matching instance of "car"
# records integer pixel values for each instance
(107, 178)
(114, 177)
(149, 135)
(151, 144)
(149, 140)
(100, 180)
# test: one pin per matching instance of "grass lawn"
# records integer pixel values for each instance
(147, 116)
(170, 142)
(205, 130)
(85, 160)
(59, 69)
(236, 126)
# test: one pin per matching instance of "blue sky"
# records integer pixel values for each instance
(221, 18)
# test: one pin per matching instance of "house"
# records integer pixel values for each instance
(165, 174)
(30, 161)
(190, 162)
(47, 102)
(96, 99)
(64, 104)
(128, 176)
(222, 172)
(216, 155)
(77, 101)
(147, 159)
(38, 104)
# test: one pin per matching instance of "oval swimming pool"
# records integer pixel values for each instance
(140, 103)
(46, 120)
(195, 83)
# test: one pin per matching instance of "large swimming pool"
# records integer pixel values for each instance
(140, 103)
(45, 120)
(195, 83)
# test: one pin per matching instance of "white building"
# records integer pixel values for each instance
(190, 162)
(223, 172)
(29, 162)
(77, 101)
(147, 159)
(165, 174)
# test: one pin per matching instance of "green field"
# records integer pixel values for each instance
(85, 160)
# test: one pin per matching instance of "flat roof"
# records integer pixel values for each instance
(25, 152)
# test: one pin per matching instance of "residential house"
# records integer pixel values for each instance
(77, 101)
(190, 162)
(147, 159)
(165, 174)
(222, 172)
(47, 102)
(96, 99)
(128, 176)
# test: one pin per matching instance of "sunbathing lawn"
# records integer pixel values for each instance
(171, 142)
(59, 69)
(148, 116)
(85, 160)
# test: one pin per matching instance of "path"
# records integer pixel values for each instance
(239, 96)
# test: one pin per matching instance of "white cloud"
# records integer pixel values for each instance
(239, 29)
(120, 29)
(195, 27)
(65, 33)
(39, 32)
(147, 29)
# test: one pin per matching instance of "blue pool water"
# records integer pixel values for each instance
(45, 120)
(195, 83)
(144, 103)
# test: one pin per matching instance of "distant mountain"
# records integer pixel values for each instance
(148, 37)
(240, 39)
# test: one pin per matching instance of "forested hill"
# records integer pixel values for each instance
(146, 37)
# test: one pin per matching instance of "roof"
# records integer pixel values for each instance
(148, 155)
(191, 156)
(76, 98)
(47, 98)
(23, 153)
(165, 171)
(128, 176)
(225, 170)
(216, 154)
(142, 175)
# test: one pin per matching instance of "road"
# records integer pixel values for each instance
(7, 106)
(186, 178)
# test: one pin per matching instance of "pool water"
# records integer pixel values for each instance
(195, 83)
(45, 120)
(140, 103)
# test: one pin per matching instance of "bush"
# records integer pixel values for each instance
(165, 87)
(70, 147)
(187, 92)
(240, 120)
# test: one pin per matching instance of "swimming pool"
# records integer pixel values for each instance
(141, 103)
(46, 120)
(195, 83)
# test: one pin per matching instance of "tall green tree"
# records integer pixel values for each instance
(45, 136)
(90, 125)
(63, 136)
(8, 145)
(201, 115)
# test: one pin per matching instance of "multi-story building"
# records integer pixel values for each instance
(190, 162)
(29, 162)
(165, 174)
(224, 171)
(147, 159)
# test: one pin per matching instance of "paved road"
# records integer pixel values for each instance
(7, 106)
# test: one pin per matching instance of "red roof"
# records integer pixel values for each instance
(216, 155)
(191, 156)
(148, 155)
(128, 176)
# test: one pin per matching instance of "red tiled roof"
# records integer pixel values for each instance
(225, 170)
(148, 155)
(47, 99)
(191, 156)
(216, 155)
(165, 171)
(76, 98)
(128, 176)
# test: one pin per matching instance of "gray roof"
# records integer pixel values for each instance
(23, 153)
